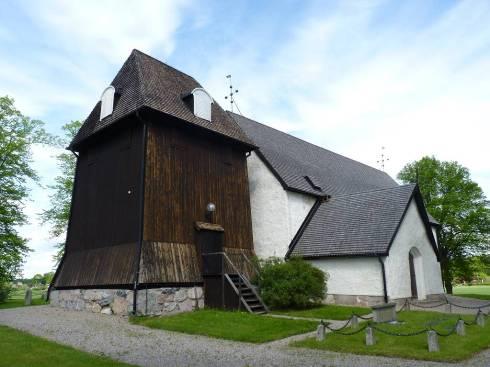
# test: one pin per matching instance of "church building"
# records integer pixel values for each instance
(174, 196)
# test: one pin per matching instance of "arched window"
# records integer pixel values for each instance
(202, 103)
(107, 102)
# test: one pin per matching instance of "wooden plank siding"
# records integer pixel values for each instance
(186, 171)
(104, 231)
(169, 263)
(110, 266)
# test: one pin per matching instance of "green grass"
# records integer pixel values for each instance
(20, 349)
(473, 291)
(453, 348)
(16, 298)
(327, 312)
(239, 326)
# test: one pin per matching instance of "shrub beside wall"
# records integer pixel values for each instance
(294, 283)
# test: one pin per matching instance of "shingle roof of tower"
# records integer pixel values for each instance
(144, 81)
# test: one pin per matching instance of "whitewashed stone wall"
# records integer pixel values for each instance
(412, 234)
(155, 301)
(277, 214)
(352, 280)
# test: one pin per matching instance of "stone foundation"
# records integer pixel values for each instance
(368, 301)
(154, 301)
(354, 300)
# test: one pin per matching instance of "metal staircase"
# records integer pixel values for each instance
(247, 294)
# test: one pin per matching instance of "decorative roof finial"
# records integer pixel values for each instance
(230, 96)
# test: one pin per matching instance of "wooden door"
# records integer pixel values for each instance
(413, 280)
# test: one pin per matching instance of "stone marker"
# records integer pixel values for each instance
(354, 322)
(320, 332)
(385, 312)
(28, 297)
(480, 319)
(432, 341)
(370, 339)
(460, 329)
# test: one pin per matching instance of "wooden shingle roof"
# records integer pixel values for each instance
(144, 81)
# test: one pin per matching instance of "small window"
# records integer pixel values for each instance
(107, 102)
(202, 102)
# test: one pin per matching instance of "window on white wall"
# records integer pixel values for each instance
(107, 102)
(202, 102)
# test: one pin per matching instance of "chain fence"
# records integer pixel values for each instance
(429, 327)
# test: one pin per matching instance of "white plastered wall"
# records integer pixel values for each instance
(277, 214)
(412, 234)
(352, 275)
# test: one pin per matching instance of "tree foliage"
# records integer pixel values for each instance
(291, 284)
(58, 214)
(17, 134)
(459, 205)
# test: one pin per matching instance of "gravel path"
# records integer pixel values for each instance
(115, 337)
(460, 301)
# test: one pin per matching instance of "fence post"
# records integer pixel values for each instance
(370, 339)
(432, 341)
(460, 329)
(407, 303)
(354, 322)
(480, 319)
(448, 308)
(320, 332)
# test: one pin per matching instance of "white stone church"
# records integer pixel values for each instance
(372, 236)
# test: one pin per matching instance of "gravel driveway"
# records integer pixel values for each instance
(114, 337)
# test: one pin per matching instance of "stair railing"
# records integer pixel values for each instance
(242, 277)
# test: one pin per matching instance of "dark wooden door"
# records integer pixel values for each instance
(413, 280)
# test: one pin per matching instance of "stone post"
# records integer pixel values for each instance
(370, 339)
(28, 297)
(354, 322)
(448, 308)
(432, 341)
(320, 332)
(480, 319)
(460, 329)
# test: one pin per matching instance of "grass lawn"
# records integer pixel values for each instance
(239, 326)
(327, 312)
(473, 291)
(24, 350)
(17, 299)
(453, 348)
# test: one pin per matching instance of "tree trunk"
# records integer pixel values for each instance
(445, 270)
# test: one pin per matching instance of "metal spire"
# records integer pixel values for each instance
(384, 158)
(230, 96)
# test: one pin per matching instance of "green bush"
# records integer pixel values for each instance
(5, 290)
(291, 284)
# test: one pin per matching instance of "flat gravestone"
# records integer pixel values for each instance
(385, 312)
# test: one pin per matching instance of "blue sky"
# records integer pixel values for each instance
(351, 76)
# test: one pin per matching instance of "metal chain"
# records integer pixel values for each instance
(399, 334)
(362, 317)
(336, 331)
(452, 331)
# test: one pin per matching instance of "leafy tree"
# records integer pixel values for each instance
(59, 212)
(17, 134)
(459, 205)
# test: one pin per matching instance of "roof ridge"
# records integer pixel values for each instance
(375, 190)
(309, 143)
(139, 77)
(136, 51)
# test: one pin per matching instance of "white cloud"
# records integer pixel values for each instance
(344, 82)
